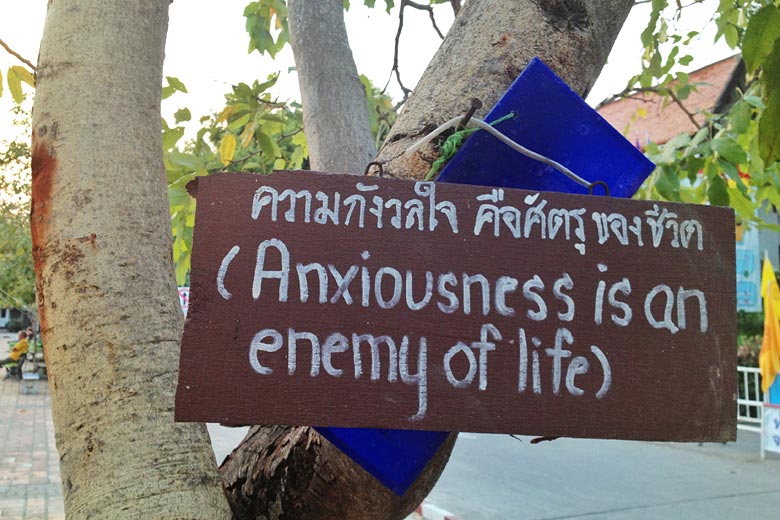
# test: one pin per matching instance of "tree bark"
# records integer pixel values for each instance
(102, 248)
(282, 472)
(488, 45)
(293, 473)
(335, 114)
(285, 472)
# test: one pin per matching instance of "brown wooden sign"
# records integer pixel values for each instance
(333, 300)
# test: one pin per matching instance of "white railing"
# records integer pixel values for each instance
(750, 402)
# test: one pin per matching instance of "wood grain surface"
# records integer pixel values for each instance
(544, 314)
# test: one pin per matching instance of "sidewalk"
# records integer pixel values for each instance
(29, 465)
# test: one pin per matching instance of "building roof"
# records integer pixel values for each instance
(643, 118)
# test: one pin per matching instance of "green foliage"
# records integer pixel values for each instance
(734, 157)
(253, 133)
(750, 323)
(173, 86)
(17, 283)
(266, 23)
(381, 111)
(16, 324)
(15, 76)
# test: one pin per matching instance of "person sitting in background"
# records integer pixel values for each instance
(18, 350)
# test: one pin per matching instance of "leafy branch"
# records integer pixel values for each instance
(733, 156)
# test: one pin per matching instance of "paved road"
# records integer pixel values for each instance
(497, 477)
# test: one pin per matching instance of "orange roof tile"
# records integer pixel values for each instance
(660, 123)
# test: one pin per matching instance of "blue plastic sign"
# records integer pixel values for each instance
(551, 119)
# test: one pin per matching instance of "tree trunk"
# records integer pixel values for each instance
(102, 247)
(293, 473)
(335, 114)
(281, 472)
(284, 472)
(489, 44)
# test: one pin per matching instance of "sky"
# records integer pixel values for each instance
(207, 49)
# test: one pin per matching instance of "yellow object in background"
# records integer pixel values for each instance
(769, 358)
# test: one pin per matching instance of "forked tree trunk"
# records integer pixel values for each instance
(102, 248)
(101, 234)
(489, 44)
(281, 472)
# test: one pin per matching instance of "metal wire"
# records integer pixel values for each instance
(510, 143)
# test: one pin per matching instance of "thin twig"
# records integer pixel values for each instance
(18, 56)
(395, 69)
(682, 107)
(632, 93)
(455, 6)
(422, 7)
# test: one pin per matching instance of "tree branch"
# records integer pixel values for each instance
(631, 93)
(422, 7)
(396, 70)
(455, 6)
(17, 55)
(682, 107)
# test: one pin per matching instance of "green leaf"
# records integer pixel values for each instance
(769, 130)
(267, 145)
(741, 202)
(183, 267)
(262, 87)
(15, 85)
(251, 8)
(731, 35)
(185, 160)
(717, 192)
(24, 75)
(177, 196)
(729, 149)
(732, 172)
(754, 101)
(694, 166)
(240, 122)
(183, 114)
(762, 31)
(770, 74)
(668, 184)
(171, 137)
(174, 85)
(768, 193)
(740, 117)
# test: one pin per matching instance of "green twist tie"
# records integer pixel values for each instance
(451, 145)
